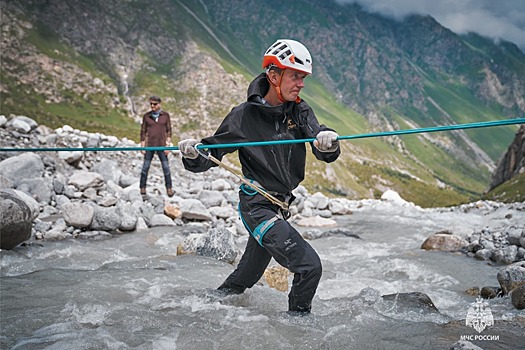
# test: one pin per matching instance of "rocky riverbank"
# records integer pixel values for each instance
(95, 194)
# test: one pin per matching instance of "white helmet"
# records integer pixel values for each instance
(286, 53)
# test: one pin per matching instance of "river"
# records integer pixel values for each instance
(132, 291)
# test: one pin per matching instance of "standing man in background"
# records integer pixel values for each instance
(155, 132)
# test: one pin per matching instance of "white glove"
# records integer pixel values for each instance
(326, 141)
(187, 148)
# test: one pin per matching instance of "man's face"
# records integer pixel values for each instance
(155, 105)
(291, 84)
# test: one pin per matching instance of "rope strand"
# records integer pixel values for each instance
(266, 143)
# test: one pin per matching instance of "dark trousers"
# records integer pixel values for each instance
(282, 242)
(147, 163)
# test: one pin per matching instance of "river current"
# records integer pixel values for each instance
(132, 291)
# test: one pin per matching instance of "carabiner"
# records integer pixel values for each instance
(205, 155)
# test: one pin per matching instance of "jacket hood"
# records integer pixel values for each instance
(258, 89)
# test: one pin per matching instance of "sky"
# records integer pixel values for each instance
(498, 19)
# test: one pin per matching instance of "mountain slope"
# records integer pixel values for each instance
(92, 64)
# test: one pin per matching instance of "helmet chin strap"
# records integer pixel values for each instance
(278, 88)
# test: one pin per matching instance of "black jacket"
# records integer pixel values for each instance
(277, 167)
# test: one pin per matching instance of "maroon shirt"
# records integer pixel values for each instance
(155, 133)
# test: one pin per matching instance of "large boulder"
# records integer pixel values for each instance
(86, 179)
(24, 166)
(512, 277)
(518, 297)
(412, 301)
(193, 209)
(78, 214)
(217, 243)
(15, 221)
(444, 242)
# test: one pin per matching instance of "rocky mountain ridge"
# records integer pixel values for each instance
(512, 163)
(93, 64)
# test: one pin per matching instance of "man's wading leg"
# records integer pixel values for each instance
(290, 250)
(250, 269)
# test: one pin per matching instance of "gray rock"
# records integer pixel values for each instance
(39, 188)
(108, 201)
(223, 212)
(220, 185)
(325, 213)
(128, 215)
(313, 234)
(490, 292)
(42, 226)
(30, 201)
(518, 297)
(20, 125)
(72, 157)
(193, 209)
(126, 180)
(514, 234)
(59, 184)
(211, 198)
(483, 254)
(512, 276)
(90, 193)
(444, 242)
(31, 122)
(344, 231)
(15, 221)
(505, 255)
(413, 301)
(85, 179)
(78, 214)
(93, 141)
(5, 182)
(94, 235)
(217, 243)
(57, 234)
(161, 220)
(337, 207)
(464, 345)
(106, 219)
(24, 166)
(109, 169)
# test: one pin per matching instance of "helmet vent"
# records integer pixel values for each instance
(285, 54)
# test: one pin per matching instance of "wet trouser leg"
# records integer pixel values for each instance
(285, 244)
(148, 156)
(290, 250)
(250, 269)
(165, 168)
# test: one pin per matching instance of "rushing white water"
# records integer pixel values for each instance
(133, 292)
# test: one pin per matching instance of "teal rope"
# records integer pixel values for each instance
(266, 143)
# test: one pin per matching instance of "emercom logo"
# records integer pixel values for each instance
(479, 316)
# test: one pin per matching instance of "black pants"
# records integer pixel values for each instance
(280, 241)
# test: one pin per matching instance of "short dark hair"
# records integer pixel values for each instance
(155, 98)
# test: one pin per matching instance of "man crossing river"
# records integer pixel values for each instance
(273, 111)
